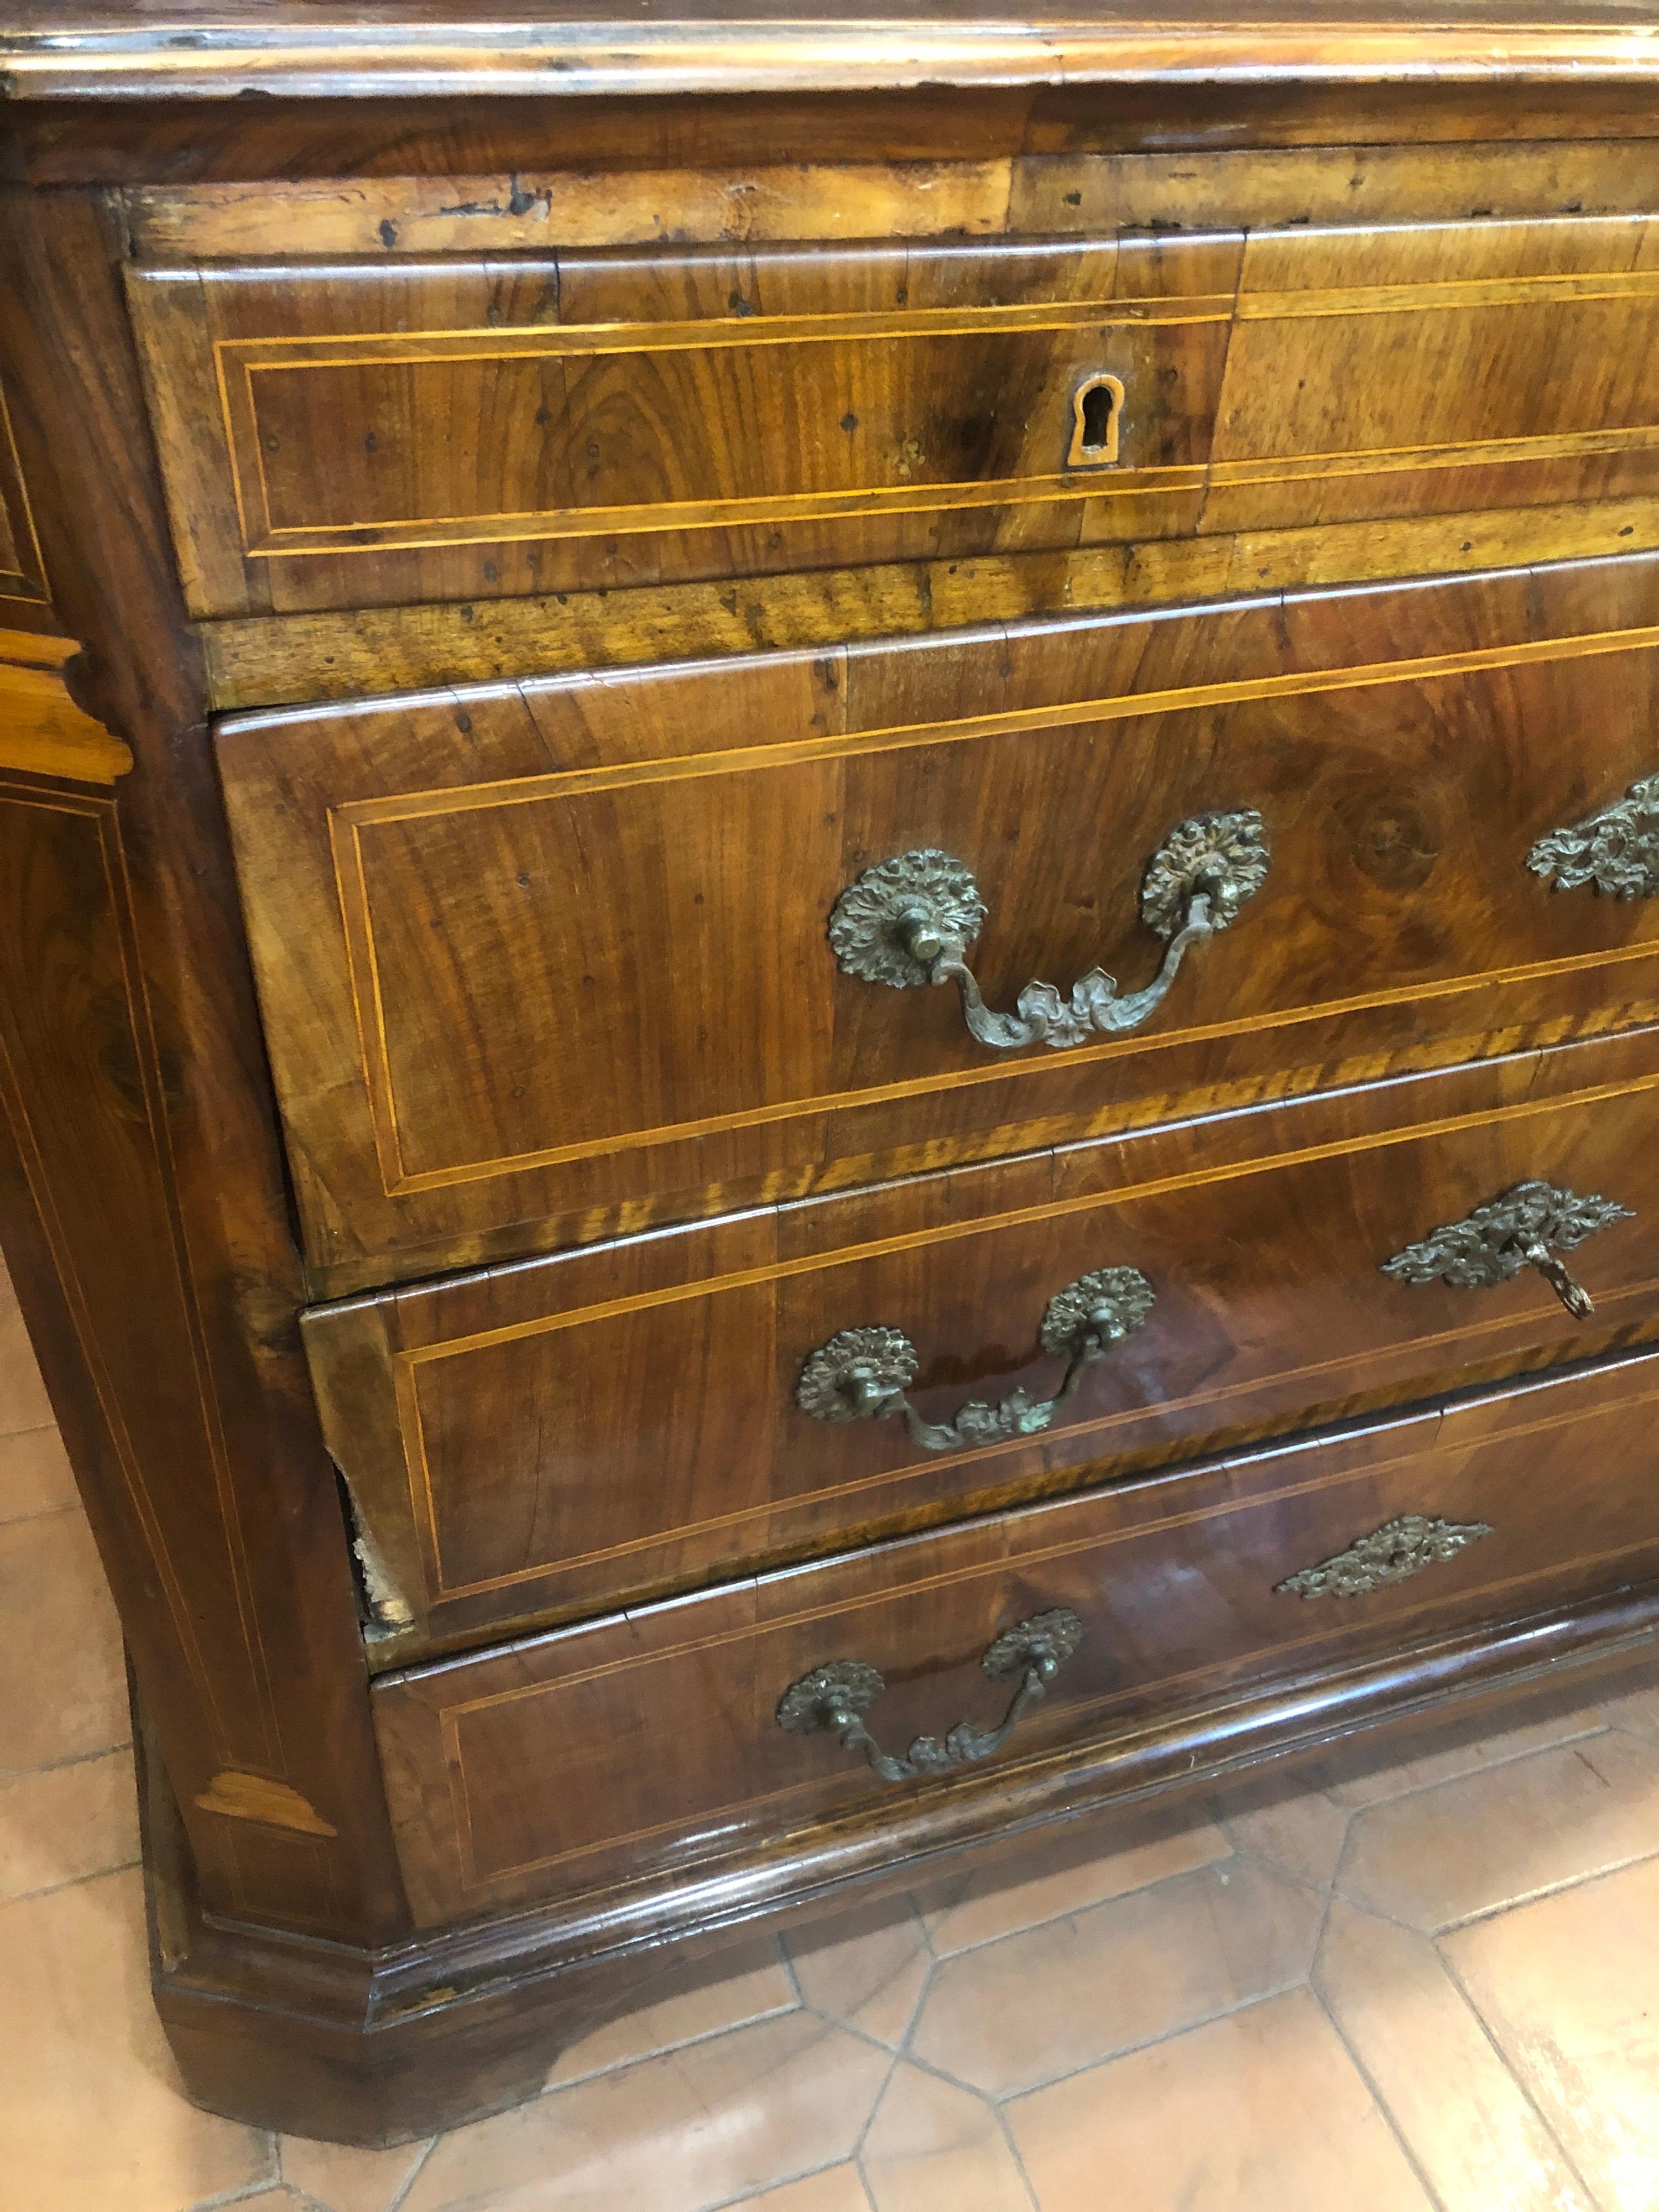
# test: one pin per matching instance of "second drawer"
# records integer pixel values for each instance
(539, 1440)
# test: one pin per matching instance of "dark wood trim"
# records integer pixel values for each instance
(381, 2047)
(216, 139)
(141, 1197)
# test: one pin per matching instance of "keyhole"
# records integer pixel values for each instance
(1096, 411)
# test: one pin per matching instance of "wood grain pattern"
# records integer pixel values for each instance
(44, 732)
(304, 416)
(24, 598)
(528, 208)
(721, 412)
(468, 2016)
(190, 50)
(564, 1435)
(483, 1008)
(524, 1774)
(1388, 289)
(141, 1197)
(336, 142)
(273, 660)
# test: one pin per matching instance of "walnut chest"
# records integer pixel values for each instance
(830, 985)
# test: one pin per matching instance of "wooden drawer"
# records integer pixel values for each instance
(554, 1437)
(327, 430)
(363, 432)
(531, 955)
(528, 1771)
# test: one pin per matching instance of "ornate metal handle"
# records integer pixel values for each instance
(1617, 850)
(862, 1374)
(1522, 1228)
(1389, 1554)
(832, 1699)
(910, 921)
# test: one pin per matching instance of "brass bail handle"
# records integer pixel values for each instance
(864, 1374)
(832, 1700)
(910, 921)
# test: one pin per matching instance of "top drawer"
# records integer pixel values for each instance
(365, 433)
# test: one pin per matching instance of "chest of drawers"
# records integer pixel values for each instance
(829, 994)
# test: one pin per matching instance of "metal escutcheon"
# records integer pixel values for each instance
(910, 921)
(1392, 1553)
(864, 1374)
(832, 1699)
(1523, 1227)
(1616, 851)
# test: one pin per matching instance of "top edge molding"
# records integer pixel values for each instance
(297, 50)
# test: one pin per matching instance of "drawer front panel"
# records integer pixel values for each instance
(1438, 356)
(355, 433)
(529, 950)
(569, 1432)
(526, 1772)
(361, 416)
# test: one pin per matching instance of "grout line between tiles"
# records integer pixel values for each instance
(725, 2204)
(1378, 2100)
(683, 2043)
(1246, 1855)
(16, 1436)
(74, 1881)
(1316, 1992)
(10, 1774)
(1530, 1897)
(927, 1943)
(416, 2172)
(851, 2028)
(1527, 2097)
(896, 2060)
(1000, 2115)
(902, 2055)
(74, 1506)
(951, 2080)
(1483, 1766)
(1125, 2051)
(785, 1960)
(272, 2180)
(1359, 1814)
(1081, 1912)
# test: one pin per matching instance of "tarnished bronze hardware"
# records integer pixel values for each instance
(1522, 1228)
(1389, 1554)
(1617, 850)
(863, 1373)
(910, 921)
(832, 1700)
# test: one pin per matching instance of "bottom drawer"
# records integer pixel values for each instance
(652, 1741)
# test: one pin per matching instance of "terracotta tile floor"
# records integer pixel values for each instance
(1421, 1976)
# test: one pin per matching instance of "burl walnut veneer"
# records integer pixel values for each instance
(829, 971)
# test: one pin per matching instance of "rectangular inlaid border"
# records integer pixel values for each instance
(240, 362)
(407, 1366)
(346, 824)
(450, 1718)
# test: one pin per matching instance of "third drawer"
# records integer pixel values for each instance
(647, 1414)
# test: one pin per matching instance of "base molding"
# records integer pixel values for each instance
(314, 2038)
